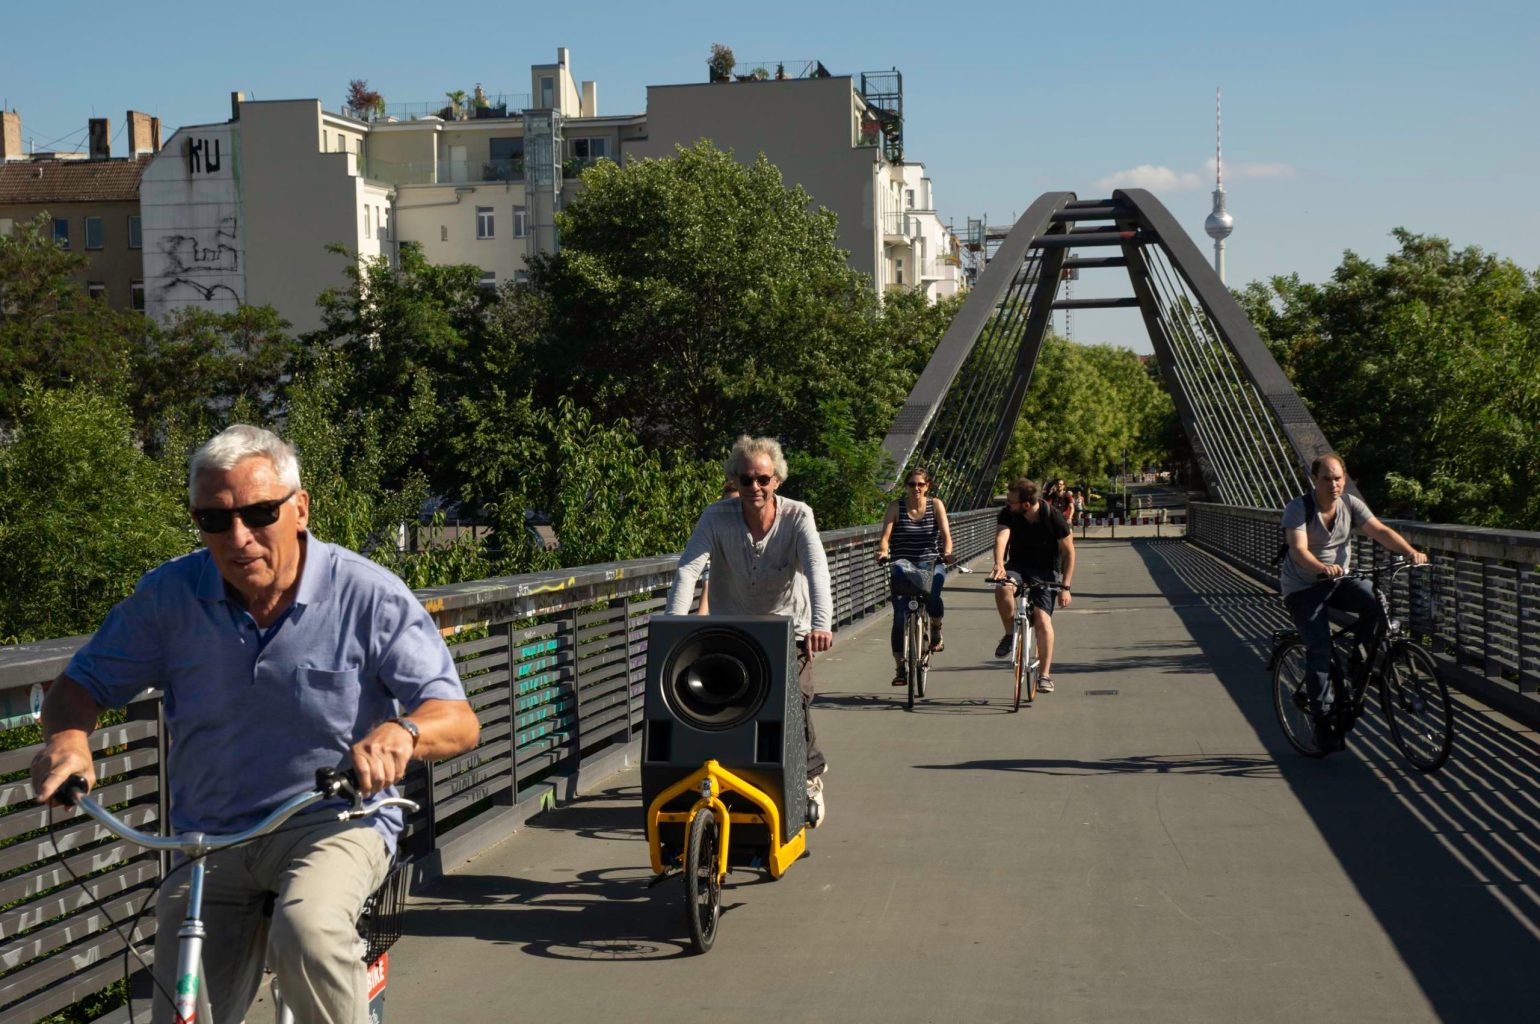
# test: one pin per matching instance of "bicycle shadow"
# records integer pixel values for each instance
(1243, 766)
(1447, 862)
(596, 915)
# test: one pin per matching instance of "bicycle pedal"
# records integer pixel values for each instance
(664, 876)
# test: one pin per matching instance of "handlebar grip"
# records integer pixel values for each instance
(71, 790)
(339, 781)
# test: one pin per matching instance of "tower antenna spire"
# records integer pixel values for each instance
(1219, 223)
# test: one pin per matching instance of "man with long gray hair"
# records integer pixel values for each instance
(766, 559)
(277, 654)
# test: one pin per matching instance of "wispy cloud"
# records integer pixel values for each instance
(1156, 179)
(1164, 179)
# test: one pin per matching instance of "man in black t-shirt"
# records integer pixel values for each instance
(1031, 543)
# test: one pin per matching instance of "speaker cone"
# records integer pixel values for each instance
(716, 679)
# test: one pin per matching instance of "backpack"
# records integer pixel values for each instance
(1310, 513)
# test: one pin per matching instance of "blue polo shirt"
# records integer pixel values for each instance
(253, 713)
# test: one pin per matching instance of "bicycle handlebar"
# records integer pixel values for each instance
(330, 783)
(1373, 575)
(1051, 588)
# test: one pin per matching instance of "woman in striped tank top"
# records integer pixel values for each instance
(916, 529)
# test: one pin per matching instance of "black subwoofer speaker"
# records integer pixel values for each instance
(724, 688)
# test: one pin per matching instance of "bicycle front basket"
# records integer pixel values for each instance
(380, 923)
(910, 580)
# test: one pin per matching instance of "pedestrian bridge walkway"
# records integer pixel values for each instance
(1141, 845)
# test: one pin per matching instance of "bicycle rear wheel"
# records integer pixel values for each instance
(702, 887)
(1291, 701)
(1417, 706)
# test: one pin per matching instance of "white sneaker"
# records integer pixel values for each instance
(1045, 685)
(815, 802)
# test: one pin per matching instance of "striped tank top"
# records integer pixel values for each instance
(915, 539)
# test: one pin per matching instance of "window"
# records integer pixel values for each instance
(520, 222)
(96, 289)
(136, 295)
(909, 198)
(93, 232)
(521, 277)
(326, 141)
(898, 268)
(590, 150)
(366, 221)
(483, 222)
(379, 223)
(135, 232)
(547, 91)
(443, 232)
(505, 159)
(488, 279)
(61, 232)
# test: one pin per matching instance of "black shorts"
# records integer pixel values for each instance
(1047, 600)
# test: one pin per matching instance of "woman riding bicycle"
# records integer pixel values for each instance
(915, 529)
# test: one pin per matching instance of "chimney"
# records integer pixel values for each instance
(101, 138)
(590, 107)
(561, 56)
(10, 135)
(236, 99)
(143, 135)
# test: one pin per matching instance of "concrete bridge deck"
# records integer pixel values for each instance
(1141, 846)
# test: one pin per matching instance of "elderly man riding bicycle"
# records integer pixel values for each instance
(277, 654)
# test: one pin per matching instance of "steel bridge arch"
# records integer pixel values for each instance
(1252, 437)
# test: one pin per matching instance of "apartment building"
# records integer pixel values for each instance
(245, 210)
(249, 210)
(91, 200)
(841, 139)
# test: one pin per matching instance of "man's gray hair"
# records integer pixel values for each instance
(746, 448)
(238, 442)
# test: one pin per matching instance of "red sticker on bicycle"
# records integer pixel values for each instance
(377, 972)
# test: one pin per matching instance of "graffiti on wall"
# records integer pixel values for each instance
(202, 156)
(196, 261)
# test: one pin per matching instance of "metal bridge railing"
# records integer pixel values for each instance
(554, 665)
(1477, 606)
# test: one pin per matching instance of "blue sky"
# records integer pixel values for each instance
(1342, 120)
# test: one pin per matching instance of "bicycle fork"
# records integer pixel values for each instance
(189, 957)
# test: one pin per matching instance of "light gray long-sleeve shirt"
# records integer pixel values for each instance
(783, 574)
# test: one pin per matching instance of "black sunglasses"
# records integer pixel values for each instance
(749, 479)
(917, 483)
(255, 516)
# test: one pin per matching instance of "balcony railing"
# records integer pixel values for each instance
(445, 172)
(898, 225)
(503, 105)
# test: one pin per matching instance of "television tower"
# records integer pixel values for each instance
(1219, 223)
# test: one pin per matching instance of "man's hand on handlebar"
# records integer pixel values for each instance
(60, 758)
(380, 758)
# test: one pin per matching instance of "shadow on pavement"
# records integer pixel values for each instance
(605, 914)
(1237, 766)
(1447, 862)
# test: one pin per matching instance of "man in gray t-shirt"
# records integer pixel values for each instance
(1319, 552)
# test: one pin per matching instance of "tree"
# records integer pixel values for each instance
(698, 298)
(203, 370)
(83, 513)
(1424, 371)
(1086, 404)
(363, 101)
(50, 329)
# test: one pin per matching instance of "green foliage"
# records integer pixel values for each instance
(204, 370)
(50, 330)
(1424, 371)
(1086, 404)
(840, 477)
(608, 496)
(83, 514)
(698, 298)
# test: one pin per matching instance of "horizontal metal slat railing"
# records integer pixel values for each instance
(554, 665)
(1477, 605)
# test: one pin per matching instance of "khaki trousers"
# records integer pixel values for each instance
(321, 871)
